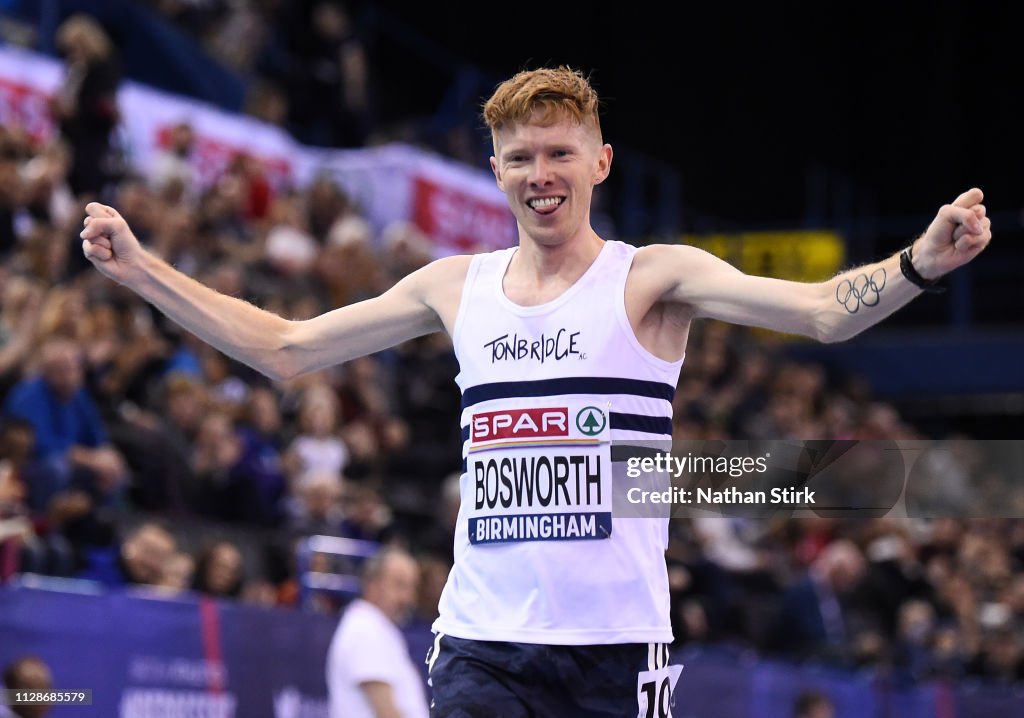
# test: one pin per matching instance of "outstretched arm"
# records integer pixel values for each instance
(838, 308)
(270, 344)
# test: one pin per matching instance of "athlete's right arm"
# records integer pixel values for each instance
(270, 344)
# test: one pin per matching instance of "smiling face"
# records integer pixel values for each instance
(548, 172)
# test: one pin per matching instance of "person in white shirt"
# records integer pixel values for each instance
(369, 671)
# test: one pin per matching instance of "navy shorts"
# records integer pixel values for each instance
(491, 679)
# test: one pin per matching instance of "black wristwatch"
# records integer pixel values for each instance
(912, 275)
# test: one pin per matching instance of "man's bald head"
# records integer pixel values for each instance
(28, 674)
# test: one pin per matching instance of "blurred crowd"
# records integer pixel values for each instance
(134, 455)
(306, 61)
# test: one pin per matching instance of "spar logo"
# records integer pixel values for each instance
(590, 421)
(520, 424)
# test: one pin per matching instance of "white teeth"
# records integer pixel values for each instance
(545, 202)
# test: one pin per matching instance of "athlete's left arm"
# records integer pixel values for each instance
(828, 311)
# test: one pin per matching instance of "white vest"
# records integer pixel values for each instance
(539, 558)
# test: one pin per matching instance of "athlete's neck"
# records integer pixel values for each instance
(538, 263)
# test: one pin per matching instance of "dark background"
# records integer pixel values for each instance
(771, 112)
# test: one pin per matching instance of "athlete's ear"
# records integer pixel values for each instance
(604, 164)
(497, 174)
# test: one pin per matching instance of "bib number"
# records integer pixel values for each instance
(654, 691)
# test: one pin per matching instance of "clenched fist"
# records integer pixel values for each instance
(109, 244)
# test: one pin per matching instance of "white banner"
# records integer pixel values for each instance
(459, 208)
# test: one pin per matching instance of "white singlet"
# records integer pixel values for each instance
(539, 558)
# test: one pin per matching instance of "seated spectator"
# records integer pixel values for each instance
(318, 446)
(291, 251)
(171, 174)
(260, 431)
(178, 573)
(220, 570)
(16, 531)
(48, 197)
(19, 317)
(434, 570)
(1001, 657)
(812, 704)
(913, 647)
(234, 484)
(315, 507)
(367, 516)
(818, 617)
(72, 448)
(28, 673)
(157, 443)
(143, 559)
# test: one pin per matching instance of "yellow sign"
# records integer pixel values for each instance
(799, 255)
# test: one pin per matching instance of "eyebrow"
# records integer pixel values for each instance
(506, 151)
(515, 150)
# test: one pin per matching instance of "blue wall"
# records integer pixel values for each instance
(131, 649)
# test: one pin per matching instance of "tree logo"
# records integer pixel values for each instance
(590, 420)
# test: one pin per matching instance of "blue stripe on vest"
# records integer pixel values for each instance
(569, 385)
(641, 422)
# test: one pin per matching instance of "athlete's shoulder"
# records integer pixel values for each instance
(454, 264)
(658, 254)
(441, 272)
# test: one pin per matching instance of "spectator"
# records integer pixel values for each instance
(19, 317)
(812, 704)
(143, 559)
(318, 446)
(439, 539)
(316, 506)
(369, 672)
(171, 175)
(291, 250)
(85, 106)
(367, 517)
(434, 570)
(28, 673)
(157, 441)
(16, 531)
(234, 483)
(913, 648)
(819, 616)
(71, 442)
(177, 574)
(1001, 657)
(220, 570)
(261, 452)
(12, 191)
(326, 203)
(329, 87)
(48, 197)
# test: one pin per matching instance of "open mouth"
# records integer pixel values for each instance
(545, 205)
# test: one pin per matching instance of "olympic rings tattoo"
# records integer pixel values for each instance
(863, 290)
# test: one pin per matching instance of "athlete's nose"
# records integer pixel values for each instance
(540, 172)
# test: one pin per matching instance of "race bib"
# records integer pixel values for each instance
(654, 691)
(539, 473)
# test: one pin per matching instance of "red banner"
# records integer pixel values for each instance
(459, 220)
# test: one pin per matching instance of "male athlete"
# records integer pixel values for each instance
(566, 343)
